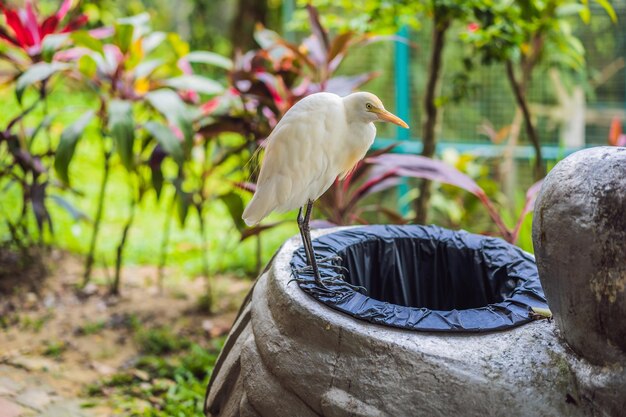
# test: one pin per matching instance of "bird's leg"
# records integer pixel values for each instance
(305, 233)
(304, 237)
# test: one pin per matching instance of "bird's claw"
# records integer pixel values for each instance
(328, 262)
(338, 280)
(309, 269)
(328, 285)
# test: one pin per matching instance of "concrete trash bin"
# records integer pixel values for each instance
(427, 278)
(290, 354)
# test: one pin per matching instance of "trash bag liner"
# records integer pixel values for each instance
(424, 278)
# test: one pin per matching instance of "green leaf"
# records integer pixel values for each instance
(76, 214)
(183, 201)
(87, 66)
(569, 9)
(167, 140)
(67, 145)
(146, 68)
(50, 44)
(211, 58)
(123, 36)
(152, 40)
(266, 38)
(585, 14)
(157, 179)
(170, 105)
(178, 45)
(234, 203)
(84, 39)
(141, 20)
(37, 72)
(608, 8)
(195, 83)
(121, 128)
(45, 124)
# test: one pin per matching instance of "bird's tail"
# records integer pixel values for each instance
(261, 205)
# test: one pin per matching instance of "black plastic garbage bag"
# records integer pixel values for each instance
(424, 278)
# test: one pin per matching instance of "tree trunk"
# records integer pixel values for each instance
(431, 113)
(249, 13)
(519, 90)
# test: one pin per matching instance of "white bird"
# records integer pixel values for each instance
(320, 138)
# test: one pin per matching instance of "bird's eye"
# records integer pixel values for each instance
(368, 106)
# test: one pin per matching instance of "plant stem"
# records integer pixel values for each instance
(205, 261)
(165, 241)
(520, 96)
(495, 216)
(431, 112)
(98, 219)
(115, 288)
(258, 253)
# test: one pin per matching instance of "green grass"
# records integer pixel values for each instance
(159, 341)
(92, 328)
(54, 348)
(161, 384)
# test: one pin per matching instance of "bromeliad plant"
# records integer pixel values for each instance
(36, 37)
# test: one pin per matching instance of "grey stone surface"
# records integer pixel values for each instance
(579, 235)
(8, 387)
(9, 408)
(289, 355)
(34, 398)
(23, 394)
(64, 408)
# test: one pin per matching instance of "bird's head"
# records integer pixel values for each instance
(368, 108)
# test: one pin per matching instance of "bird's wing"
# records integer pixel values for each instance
(298, 164)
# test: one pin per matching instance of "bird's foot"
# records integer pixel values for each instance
(328, 262)
(330, 285)
(339, 281)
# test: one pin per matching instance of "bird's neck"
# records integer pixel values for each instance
(362, 134)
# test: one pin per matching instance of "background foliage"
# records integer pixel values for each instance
(160, 129)
(130, 132)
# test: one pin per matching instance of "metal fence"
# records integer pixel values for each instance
(570, 110)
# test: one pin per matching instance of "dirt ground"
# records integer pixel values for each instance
(56, 337)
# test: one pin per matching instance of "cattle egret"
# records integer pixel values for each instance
(319, 139)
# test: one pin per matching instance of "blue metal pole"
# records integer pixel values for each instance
(403, 109)
(403, 103)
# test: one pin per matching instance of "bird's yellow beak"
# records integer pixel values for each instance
(389, 117)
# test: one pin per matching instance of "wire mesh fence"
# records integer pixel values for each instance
(560, 100)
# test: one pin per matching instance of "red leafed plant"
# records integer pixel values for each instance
(29, 30)
(267, 82)
(416, 166)
(343, 203)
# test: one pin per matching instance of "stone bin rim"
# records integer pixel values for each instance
(494, 262)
